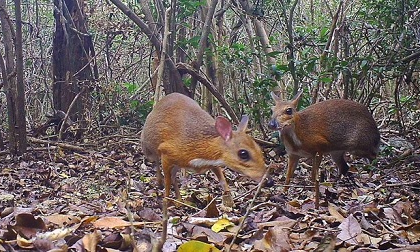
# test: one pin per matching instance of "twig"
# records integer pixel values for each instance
(243, 195)
(383, 223)
(129, 213)
(402, 184)
(186, 68)
(182, 203)
(405, 248)
(265, 143)
(34, 149)
(205, 208)
(402, 157)
(61, 145)
(397, 184)
(297, 186)
(73, 102)
(249, 209)
(270, 204)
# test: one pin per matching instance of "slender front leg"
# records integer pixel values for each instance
(174, 180)
(315, 176)
(166, 167)
(227, 197)
(159, 176)
(338, 157)
(291, 166)
(317, 158)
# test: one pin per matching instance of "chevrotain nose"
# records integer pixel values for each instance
(273, 124)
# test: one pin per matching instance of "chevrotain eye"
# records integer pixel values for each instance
(289, 111)
(244, 155)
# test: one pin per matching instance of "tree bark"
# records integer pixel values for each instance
(20, 84)
(72, 68)
(12, 72)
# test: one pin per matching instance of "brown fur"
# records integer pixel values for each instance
(178, 131)
(328, 127)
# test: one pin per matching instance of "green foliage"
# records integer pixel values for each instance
(324, 34)
(130, 112)
(409, 106)
(131, 87)
(279, 70)
(188, 7)
(260, 107)
(383, 13)
(141, 109)
(238, 54)
(305, 100)
(135, 113)
(189, 42)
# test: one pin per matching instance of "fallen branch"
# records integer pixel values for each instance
(398, 184)
(405, 248)
(61, 145)
(406, 154)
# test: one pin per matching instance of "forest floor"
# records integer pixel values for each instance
(102, 196)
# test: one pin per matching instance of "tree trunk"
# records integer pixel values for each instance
(291, 57)
(12, 72)
(72, 51)
(203, 41)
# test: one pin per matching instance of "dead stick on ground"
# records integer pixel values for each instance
(409, 183)
(249, 208)
(405, 248)
(61, 145)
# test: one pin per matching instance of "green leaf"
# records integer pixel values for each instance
(274, 53)
(364, 64)
(131, 87)
(325, 79)
(193, 246)
(323, 33)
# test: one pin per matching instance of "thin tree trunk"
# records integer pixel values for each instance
(176, 84)
(4, 84)
(221, 41)
(161, 67)
(346, 71)
(265, 42)
(13, 79)
(20, 84)
(288, 17)
(203, 42)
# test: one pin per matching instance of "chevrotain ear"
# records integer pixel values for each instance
(224, 128)
(274, 96)
(296, 98)
(243, 125)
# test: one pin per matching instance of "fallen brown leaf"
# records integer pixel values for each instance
(350, 229)
(90, 241)
(114, 222)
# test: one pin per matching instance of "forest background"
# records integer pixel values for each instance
(366, 51)
(97, 65)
